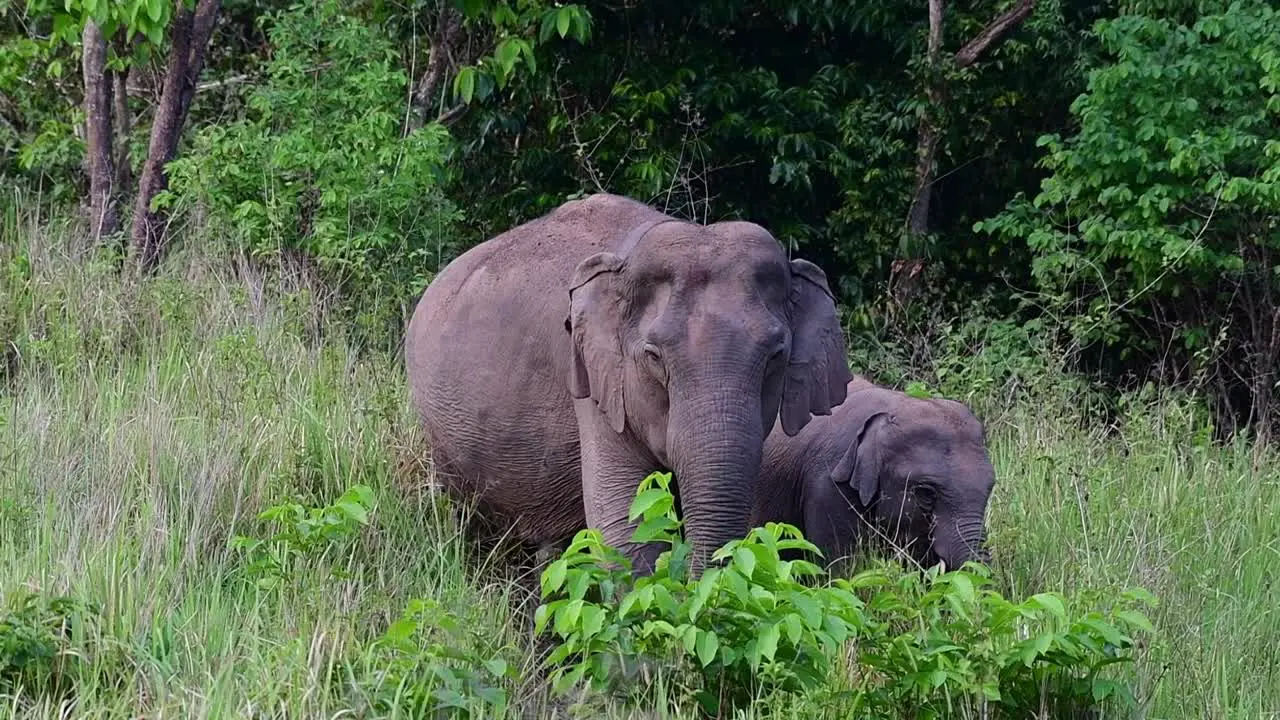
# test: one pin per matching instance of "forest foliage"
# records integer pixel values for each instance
(1100, 177)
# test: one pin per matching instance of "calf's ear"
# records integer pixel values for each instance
(861, 464)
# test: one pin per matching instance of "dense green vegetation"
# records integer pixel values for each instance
(215, 216)
(145, 426)
(1103, 176)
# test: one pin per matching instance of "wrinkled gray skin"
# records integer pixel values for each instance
(554, 367)
(910, 470)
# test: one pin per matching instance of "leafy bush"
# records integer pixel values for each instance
(425, 663)
(750, 619)
(756, 623)
(303, 532)
(320, 164)
(38, 139)
(1156, 227)
(940, 637)
(38, 646)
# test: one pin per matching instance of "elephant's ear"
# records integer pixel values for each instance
(861, 464)
(593, 325)
(818, 372)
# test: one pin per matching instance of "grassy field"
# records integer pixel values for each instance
(142, 427)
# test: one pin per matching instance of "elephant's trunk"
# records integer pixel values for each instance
(960, 540)
(716, 447)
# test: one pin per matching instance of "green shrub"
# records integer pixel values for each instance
(756, 624)
(303, 532)
(426, 662)
(751, 619)
(939, 638)
(320, 164)
(39, 650)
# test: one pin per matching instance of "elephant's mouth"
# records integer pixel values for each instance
(968, 544)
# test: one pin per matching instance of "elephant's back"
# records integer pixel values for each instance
(487, 357)
(503, 302)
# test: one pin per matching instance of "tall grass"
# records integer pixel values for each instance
(145, 424)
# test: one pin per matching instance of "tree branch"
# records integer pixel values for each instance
(225, 82)
(993, 34)
(450, 116)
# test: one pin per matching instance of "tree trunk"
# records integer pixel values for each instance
(190, 37)
(929, 128)
(439, 62)
(123, 119)
(927, 141)
(104, 220)
(907, 274)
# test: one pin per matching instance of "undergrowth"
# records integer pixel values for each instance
(145, 425)
(754, 624)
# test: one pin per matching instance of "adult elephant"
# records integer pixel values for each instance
(887, 465)
(556, 365)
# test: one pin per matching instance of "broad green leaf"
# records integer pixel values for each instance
(1133, 617)
(745, 560)
(579, 585)
(1107, 631)
(706, 585)
(628, 603)
(795, 628)
(664, 601)
(506, 54)
(592, 620)
(553, 577)
(768, 642)
(568, 617)
(1051, 603)
(655, 498)
(464, 85)
(809, 609)
(689, 637)
(660, 528)
(963, 586)
(991, 690)
(563, 17)
(355, 511)
(737, 585)
(707, 645)
(548, 26)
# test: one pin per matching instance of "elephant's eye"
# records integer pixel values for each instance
(926, 495)
(653, 359)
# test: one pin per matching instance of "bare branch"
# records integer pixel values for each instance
(993, 34)
(225, 82)
(450, 116)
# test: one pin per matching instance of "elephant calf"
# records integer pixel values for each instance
(910, 470)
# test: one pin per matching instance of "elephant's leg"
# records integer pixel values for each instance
(612, 470)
